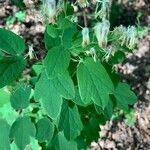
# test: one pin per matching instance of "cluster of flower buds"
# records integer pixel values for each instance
(101, 31)
(49, 11)
(83, 3)
(104, 11)
(85, 37)
(127, 36)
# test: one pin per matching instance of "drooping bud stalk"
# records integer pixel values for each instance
(85, 37)
(48, 11)
(102, 8)
(108, 54)
(101, 31)
(83, 3)
(30, 52)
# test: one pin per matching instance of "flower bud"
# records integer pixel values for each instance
(120, 33)
(48, 11)
(101, 31)
(85, 37)
(131, 37)
(104, 11)
(83, 3)
(127, 36)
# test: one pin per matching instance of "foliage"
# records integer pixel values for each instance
(19, 16)
(69, 93)
(130, 118)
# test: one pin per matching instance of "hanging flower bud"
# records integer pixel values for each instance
(121, 34)
(131, 37)
(101, 31)
(48, 11)
(127, 36)
(103, 12)
(83, 3)
(85, 37)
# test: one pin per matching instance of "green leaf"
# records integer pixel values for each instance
(50, 92)
(91, 122)
(56, 61)
(68, 30)
(8, 113)
(20, 97)
(49, 41)
(108, 110)
(118, 57)
(64, 23)
(68, 37)
(4, 96)
(77, 100)
(21, 131)
(91, 126)
(21, 16)
(19, 3)
(94, 83)
(14, 146)
(10, 20)
(11, 43)
(70, 122)
(4, 135)
(10, 69)
(37, 68)
(61, 143)
(45, 130)
(130, 118)
(32, 146)
(124, 96)
(52, 31)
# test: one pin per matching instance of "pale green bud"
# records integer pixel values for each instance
(85, 37)
(83, 3)
(48, 11)
(127, 36)
(131, 37)
(103, 12)
(101, 31)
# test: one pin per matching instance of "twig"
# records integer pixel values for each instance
(85, 18)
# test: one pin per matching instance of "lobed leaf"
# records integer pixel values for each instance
(124, 96)
(20, 97)
(4, 135)
(45, 130)
(56, 61)
(70, 122)
(61, 143)
(10, 69)
(94, 83)
(21, 131)
(11, 43)
(51, 91)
